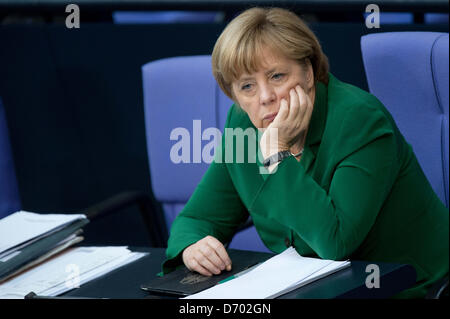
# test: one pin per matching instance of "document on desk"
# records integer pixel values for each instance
(22, 228)
(68, 271)
(275, 277)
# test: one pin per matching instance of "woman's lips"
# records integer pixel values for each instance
(270, 117)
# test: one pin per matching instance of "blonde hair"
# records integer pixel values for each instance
(238, 48)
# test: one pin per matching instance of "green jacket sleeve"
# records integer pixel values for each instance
(332, 220)
(214, 208)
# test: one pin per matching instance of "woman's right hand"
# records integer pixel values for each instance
(290, 124)
(207, 257)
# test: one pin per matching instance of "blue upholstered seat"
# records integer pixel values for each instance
(408, 72)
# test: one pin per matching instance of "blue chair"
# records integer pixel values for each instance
(9, 192)
(178, 91)
(408, 73)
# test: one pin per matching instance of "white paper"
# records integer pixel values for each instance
(95, 273)
(67, 271)
(21, 227)
(278, 275)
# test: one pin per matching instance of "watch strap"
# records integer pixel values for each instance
(275, 158)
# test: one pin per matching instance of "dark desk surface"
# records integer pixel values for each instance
(347, 283)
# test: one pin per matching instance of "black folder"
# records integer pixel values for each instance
(182, 282)
(39, 248)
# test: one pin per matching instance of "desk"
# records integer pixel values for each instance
(347, 283)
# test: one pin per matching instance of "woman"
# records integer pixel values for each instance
(343, 182)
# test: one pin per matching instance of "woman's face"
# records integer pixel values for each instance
(259, 94)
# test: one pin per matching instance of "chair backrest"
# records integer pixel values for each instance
(177, 92)
(182, 101)
(9, 192)
(409, 73)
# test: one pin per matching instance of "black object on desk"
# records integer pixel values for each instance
(125, 282)
(182, 282)
(38, 248)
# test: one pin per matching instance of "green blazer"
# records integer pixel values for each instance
(358, 192)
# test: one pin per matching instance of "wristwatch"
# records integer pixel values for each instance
(275, 158)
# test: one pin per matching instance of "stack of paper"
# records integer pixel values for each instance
(68, 271)
(29, 238)
(277, 276)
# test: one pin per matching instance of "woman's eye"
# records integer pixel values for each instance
(277, 76)
(246, 87)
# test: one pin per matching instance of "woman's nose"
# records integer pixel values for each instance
(267, 95)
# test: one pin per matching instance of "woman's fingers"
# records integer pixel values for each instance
(211, 260)
(294, 108)
(220, 251)
(208, 256)
(308, 112)
(207, 263)
(303, 101)
(193, 265)
(197, 261)
(283, 112)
